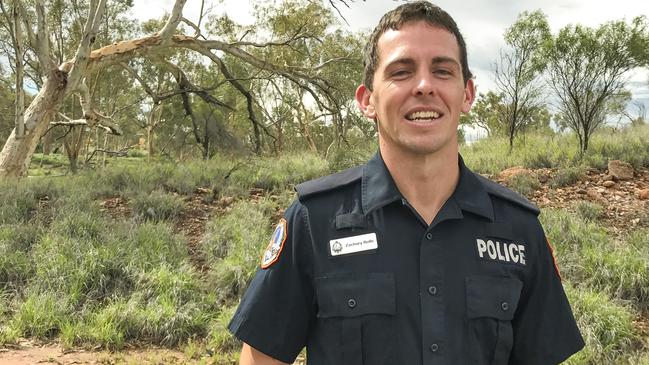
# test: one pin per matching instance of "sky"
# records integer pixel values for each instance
(482, 23)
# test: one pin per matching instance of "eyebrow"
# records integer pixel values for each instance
(406, 61)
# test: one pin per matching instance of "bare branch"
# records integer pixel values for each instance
(173, 21)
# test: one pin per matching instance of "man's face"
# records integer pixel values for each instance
(418, 91)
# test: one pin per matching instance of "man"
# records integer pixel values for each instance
(412, 258)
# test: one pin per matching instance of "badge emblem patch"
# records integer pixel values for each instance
(275, 246)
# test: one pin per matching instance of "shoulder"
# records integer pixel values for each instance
(498, 191)
(329, 182)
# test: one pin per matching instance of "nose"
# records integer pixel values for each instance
(424, 84)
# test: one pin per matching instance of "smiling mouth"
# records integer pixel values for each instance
(424, 116)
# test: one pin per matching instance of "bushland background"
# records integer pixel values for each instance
(145, 165)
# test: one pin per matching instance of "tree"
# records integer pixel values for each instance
(74, 76)
(487, 113)
(518, 72)
(587, 71)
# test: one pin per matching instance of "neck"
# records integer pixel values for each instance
(425, 180)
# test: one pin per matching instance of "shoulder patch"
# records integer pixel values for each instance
(275, 246)
(507, 194)
(329, 182)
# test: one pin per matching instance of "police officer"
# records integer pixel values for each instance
(411, 258)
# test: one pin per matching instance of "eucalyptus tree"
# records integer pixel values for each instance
(73, 76)
(587, 70)
(518, 72)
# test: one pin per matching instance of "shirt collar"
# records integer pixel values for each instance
(378, 189)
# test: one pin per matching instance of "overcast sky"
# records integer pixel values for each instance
(482, 22)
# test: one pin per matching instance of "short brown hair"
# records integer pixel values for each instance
(411, 12)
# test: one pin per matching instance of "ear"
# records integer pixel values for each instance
(363, 95)
(469, 96)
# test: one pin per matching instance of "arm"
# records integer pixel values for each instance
(250, 356)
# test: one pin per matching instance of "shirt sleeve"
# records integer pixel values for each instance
(275, 313)
(545, 331)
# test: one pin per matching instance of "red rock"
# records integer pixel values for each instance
(512, 171)
(608, 184)
(620, 170)
(644, 194)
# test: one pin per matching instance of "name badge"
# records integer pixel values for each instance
(347, 245)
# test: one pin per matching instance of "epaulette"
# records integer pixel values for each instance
(329, 182)
(507, 194)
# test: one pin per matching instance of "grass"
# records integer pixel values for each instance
(524, 183)
(606, 326)
(157, 206)
(71, 272)
(490, 156)
(567, 176)
(233, 245)
(586, 254)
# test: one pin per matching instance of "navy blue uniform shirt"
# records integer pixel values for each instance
(362, 279)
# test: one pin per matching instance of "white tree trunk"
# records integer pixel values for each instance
(16, 154)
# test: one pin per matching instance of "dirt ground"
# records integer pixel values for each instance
(27, 353)
(624, 211)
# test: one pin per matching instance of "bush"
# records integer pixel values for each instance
(567, 176)
(157, 206)
(524, 183)
(589, 211)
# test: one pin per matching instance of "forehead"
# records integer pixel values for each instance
(417, 39)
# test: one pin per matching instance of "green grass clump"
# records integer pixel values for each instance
(40, 316)
(589, 211)
(233, 245)
(18, 202)
(586, 254)
(219, 338)
(279, 172)
(157, 206)
(16, 242)
(607, 327)
(567, 176)
(492, 155)
(524, 183)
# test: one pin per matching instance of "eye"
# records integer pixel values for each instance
(400, 74)
(443, 73)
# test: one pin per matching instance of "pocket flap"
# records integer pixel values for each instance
(494, 297)
(355, 295)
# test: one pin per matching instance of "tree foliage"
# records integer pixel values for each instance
(587, 68)
(518, 72)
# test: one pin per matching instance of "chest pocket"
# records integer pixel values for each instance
(491, 303)
(355, 317)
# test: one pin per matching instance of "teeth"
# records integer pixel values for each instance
(422, 115)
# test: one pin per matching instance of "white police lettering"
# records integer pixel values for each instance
(347, 245)
(501, 251)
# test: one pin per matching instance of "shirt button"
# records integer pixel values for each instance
(432, 290)
(351, 303)
(434, 347)
(504, 306)
(429, 236)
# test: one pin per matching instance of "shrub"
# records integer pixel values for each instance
(157, 206)
(589, 211)
(524, 183)
(566, 176)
